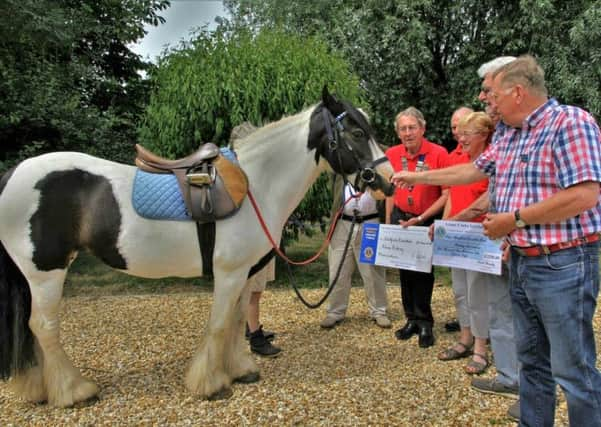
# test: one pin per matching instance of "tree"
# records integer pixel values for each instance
(426, 52)
(207, 86)
(68, 79)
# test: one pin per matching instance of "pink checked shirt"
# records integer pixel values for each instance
(557, 146)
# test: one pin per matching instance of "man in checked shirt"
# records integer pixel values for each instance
(547, 162)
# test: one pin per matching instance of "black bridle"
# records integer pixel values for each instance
(367, 174)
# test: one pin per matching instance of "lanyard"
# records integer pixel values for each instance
(420, 166)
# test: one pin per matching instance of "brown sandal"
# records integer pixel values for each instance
(476, 368)
(452, 354)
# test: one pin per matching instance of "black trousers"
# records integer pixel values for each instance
(416, 286)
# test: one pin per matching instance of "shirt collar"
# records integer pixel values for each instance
(423, 149)
(537, 115)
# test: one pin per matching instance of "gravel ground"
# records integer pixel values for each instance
(137, 348)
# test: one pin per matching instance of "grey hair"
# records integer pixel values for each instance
(463, 110)
(411, 112)
(494, 65)
(525, 71)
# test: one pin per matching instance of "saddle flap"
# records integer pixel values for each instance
(218, 191)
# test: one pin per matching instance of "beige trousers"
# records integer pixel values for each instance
(374, 277)
(471, 300)
(259, 280)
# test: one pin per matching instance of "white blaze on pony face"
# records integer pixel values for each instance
(383, 169)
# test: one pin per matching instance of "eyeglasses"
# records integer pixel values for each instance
(411, 128)
(470, 133)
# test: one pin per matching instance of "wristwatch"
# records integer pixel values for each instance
(519, 222)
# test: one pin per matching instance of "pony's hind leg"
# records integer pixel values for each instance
(29, 384)
(210, 372)
(63, 382)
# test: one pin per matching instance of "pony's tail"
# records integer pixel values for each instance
(16, 339)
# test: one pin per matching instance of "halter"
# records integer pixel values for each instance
(367, 174)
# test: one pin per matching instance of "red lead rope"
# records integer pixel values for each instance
(277, 248)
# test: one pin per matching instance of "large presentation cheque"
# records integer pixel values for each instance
(464, 245)
(394, 246)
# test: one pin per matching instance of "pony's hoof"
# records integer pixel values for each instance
(251, 377)
(224, 393)
(91, 401)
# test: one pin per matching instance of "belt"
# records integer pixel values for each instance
(405, 216)
(546, 250)
(359, 218)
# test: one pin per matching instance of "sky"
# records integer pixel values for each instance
(180, 19)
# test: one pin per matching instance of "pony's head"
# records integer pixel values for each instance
(341, 134)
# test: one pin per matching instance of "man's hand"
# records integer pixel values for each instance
(409, 222)
(498, 225)
(403, 179)
(506, 252)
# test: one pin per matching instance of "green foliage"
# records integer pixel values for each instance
(217, 81)
(425, 53)
(206, 87)
(68, 80)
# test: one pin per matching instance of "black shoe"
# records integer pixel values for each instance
(260, 345)
(452, 326)
(269, 336)
(407, 331)
(426, 337)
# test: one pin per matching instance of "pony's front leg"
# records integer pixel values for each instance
(239, 363)
(210, 374)
(62, 383)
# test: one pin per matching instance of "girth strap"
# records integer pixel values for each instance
(206, 241)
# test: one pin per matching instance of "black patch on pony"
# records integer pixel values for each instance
(318, 135)
(262, 263)
(16, 339)
(77, 210)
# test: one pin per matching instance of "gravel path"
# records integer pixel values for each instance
(137, 349)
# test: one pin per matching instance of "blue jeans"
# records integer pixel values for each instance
(554, 299)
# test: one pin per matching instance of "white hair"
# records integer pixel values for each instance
(494, 65)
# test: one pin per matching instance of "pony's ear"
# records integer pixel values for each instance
(328, 100)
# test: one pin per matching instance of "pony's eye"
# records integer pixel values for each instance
(358, 133)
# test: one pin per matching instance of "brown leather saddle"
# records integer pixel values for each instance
(212, 186)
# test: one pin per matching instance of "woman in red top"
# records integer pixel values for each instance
(469, 287)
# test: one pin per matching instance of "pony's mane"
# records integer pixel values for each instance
(246, 133)
(241, 131)
(359, 116)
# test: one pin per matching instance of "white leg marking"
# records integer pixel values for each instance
(64, 383)
(209, 372)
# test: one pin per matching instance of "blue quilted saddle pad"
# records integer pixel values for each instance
(158, 196)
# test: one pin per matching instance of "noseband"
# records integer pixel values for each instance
(366, 173)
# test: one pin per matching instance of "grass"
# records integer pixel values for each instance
(88, 275)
